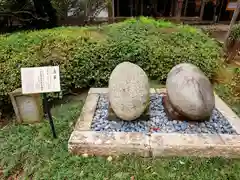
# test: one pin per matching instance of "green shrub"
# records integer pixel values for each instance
(87, 55)
(230, 89)
(235, 84)
(233, 36)
(235, 32)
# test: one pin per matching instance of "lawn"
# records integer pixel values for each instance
(30, 151)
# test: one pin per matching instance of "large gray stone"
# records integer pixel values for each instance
(190, 92)
(128, 91)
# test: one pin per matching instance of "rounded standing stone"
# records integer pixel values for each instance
(190, 92)
(128, 91)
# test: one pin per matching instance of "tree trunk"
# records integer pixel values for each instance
(179, 12)
(39, 8)
(202, 9)
(185, 8)
(234, 18)
(51, 12)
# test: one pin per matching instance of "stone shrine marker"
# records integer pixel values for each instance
(40, 80)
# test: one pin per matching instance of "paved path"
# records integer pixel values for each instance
(215, 27)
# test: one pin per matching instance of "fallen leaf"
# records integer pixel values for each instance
(109, 158)
(149, 167)
(81, 174)
(155, 128)
(154, 173)
(181, 162)
(85, 155)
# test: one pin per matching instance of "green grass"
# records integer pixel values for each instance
(32, 151)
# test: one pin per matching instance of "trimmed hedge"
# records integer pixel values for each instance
(87, 55)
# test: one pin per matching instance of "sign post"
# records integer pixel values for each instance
(42, 80)
(48, 112)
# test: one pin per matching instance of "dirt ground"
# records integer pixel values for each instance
(217, 31)
(219, 35)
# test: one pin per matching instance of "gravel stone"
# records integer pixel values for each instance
(158, 122)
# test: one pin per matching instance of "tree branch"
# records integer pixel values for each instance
(15, 14)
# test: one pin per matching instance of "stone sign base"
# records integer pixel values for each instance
(84, 140)
(27, 107)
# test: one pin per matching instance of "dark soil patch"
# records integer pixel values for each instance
(168, 30)
(218, 35)
(3, 122)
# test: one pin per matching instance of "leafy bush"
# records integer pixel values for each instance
(236, 84)
(235, 32)
(87, 55)
(233, 36)
(230, 89)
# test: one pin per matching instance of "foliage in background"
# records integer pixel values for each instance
(37, 13)
(14, 5)
(79, 8)
(235, 32)
(87, 55)
(28, 11)
(230, 89)
(236, 83)
(62, 7)
(233, 36)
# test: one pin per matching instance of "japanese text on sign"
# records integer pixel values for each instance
(40, 79)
